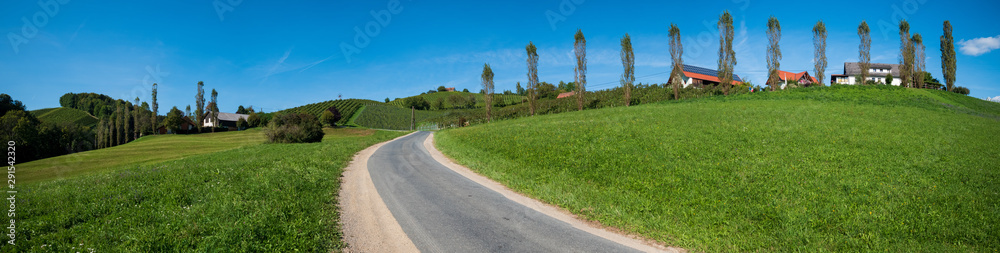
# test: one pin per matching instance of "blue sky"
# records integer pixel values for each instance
(276, 55)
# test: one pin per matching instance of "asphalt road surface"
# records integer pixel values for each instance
(442, 211)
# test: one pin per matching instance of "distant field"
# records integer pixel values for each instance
(65, 114)
(145, 150)
(255, 198)
(841, 169)
(433, 97)
(391, 117)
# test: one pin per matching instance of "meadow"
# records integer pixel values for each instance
(813, 169)
(255, 197)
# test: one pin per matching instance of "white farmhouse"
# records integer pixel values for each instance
(876, 72)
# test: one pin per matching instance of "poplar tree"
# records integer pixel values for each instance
(864, 57)
(773, 52)
(948, 60)
(819, 53)
(727, 57)
(580, 49)
(215, 110)
(918, 60)
(628, 63)
(199, 105)
(488, 90)
(677, 60)
(156, 109)
(532, 76)
(905, 54)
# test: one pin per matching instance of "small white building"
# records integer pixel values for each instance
(876, 72)
(227, 120)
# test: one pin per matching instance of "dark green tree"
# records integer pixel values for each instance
(487, 77)
(727, 57)
(677, 59)
(819, 53)
(628, 64)
(864, 56)
(580, 50)
(773, 52)
(949, 63)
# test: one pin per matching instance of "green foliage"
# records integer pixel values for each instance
(328, 119)
(391, 117)
(442, 88)
(259, 198)
(417, 102)
(960, 90)
(241, 124)
(253, 120)
(458, 100)
(888, 79)
(294, 128)
(8, 103)
(60, 115)
(346, 107)
(174, 120)
(840, 169)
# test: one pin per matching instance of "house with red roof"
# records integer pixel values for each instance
(701, 77)
(803, 78)
(566, 94)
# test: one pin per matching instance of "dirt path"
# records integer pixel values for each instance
(368, 225)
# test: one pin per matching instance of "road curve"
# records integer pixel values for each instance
(442, 211)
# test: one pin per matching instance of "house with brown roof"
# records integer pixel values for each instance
(802, 78)
(226, 120)
(701, 77)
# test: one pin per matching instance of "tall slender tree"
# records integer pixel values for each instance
(905, 54)
(187, 111)
(199, 105)
(727, 57)
(677, 60)
(488, 90)
(215, 110)
(135, 119)
(773, 52)
(918, 60)
(819, 53)
(532, 76)
(948, 61)
(156, 109)
(864, 56)
(580, 49)
(119, 124)
(628, 63)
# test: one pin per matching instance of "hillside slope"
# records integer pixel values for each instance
(443, 95)
(65, 114)
(825, 169)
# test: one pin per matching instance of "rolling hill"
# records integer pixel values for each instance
(843, 168)
(65, 114)
(433, 97)
(347, 108)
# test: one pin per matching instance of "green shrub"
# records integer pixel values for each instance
(960, 90)
(294, 128)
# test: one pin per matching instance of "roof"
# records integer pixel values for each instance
(854, 68)
(706, 74)
(566, 94)
(783, 75)
(225, 116)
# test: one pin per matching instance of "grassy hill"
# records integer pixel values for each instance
(189, 193)
(65, 114)
(433, 97)
(845, 168)
(347, 108)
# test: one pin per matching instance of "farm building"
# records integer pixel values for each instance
(227, 120)
(700, 77)
(803, 78)
(877, 72)
(186, 125)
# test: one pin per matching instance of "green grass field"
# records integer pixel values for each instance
(64, 114)
(817, 169)
(258, 197)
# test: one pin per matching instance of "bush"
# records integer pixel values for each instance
(253, 120)
(442, 88)
(294, 128)
(960, 90)
(330, 117)
(241, 124)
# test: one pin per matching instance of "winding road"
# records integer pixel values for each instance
(441, 210)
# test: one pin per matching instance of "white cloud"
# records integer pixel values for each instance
(994, 99)
(979, 46)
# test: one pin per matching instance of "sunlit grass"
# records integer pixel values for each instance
(820, 170)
